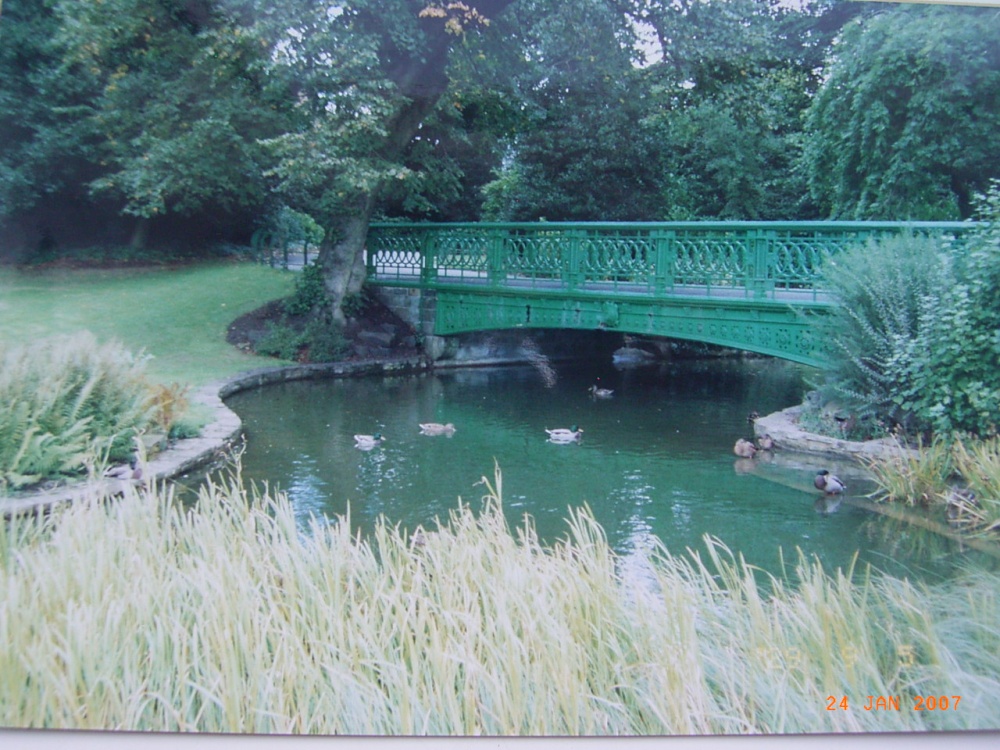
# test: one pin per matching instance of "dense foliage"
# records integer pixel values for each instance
(702, 120)
(904, 126)
(68, 402)
(916, 340)
(136, 121)
(952, 364)
(220, 111)
(880, 286)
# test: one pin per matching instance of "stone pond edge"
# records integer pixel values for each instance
(783, 428)
(224, 428)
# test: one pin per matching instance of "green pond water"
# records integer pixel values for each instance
(655, 460)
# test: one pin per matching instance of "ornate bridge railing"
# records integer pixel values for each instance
(779, 261)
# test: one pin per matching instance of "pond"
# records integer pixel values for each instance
(655, 460)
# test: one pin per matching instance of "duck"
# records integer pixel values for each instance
(959, 501)
(434, 428)
(744, 448)
(828, 483)
(562, 435)
(132, 471)
(367, 442)
(597, 392)
(765, 442)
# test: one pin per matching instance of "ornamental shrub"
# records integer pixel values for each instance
(310, 292)
(64, 403)
(916, 337)
(952, 365)
(881, 287)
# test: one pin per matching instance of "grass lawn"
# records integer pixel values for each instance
(178, 314)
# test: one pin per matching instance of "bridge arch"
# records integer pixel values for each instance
(765, 329)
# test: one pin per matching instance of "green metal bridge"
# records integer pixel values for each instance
(747, 285)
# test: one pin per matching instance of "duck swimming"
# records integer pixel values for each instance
(744, 448)
(367, 442)
(562, 435)
(828, 483)
(597, 392)
(434, 428)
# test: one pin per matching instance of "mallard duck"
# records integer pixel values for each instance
(434, 428)
(828, 483)
(598, 392)
(131, 471)
(562, 435)
(744, 448)
(765, 442)
(959, 501)
(367, 442)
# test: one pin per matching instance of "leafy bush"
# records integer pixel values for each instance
(325, 341)
(280, 340)
(65, 401)
(952, 365)
(354, 305)
(881, 287)
(310, 292)
(915, 338)
(297, 226)
(316, 341)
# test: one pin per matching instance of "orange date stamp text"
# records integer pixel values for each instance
(896, 703)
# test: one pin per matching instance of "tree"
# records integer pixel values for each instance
(904, 126)
(952, 382)
(183, 96)
(726, 103)
(671, 110)
(369, 73)
(45, 151)
(577, 150)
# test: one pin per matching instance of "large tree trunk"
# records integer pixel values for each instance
(342, 256)
(140, 232)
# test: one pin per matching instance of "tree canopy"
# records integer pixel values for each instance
(202, 119)
(904, 126)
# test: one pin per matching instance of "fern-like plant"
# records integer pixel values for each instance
(64, 401)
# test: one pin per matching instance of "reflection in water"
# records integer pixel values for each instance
(827, 504)
(655, 462)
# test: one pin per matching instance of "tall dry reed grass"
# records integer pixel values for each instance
(917, 478)
(978, 462)
(932, 475)
(230, 617)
